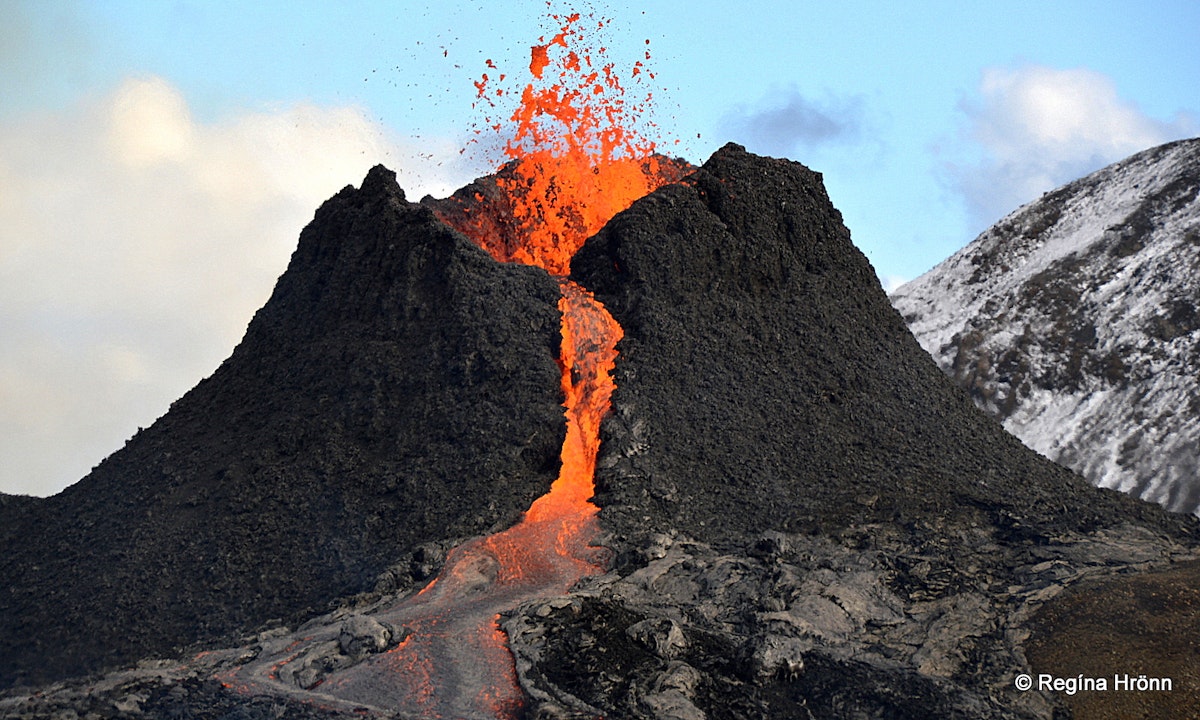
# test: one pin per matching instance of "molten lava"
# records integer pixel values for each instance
(588, 352)
(577, 159)
(577, 155)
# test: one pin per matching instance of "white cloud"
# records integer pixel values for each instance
(148, 123)
(135, 245)
(1040, 127)
(892, 282)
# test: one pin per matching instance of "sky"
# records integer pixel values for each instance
(158, 159)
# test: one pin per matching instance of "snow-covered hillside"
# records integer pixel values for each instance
(1074, 320)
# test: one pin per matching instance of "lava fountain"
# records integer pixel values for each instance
(575, 161)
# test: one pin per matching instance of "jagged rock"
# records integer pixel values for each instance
(953, 622)
(362, 635)
(368, 410)
(851, 633)
(672, 694)
(663, 637)
(317, 661)
(780, 655)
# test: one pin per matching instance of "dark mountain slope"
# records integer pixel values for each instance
(766, 383)
(372, 406)
(809, 519)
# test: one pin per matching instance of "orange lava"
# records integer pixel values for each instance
(578, 156)
(577, 159)
(589, 338)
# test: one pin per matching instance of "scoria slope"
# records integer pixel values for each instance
(762, 361)
(399, 388)
(1074, 322)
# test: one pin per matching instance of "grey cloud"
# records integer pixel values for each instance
(785, 121)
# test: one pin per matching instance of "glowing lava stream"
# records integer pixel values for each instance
(456, 663)
(577, 162)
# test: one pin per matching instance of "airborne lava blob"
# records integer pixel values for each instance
(577, 153)
(577, 159)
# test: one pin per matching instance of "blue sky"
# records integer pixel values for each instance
(158, 159)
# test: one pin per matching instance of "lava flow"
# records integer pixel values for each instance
(576, 160)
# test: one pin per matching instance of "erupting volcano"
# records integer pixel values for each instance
(578, 157)
(801, 515)
(576, 160)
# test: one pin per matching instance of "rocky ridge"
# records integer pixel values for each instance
(1073, 321)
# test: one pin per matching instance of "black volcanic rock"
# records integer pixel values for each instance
(766, 383)
(400, 387)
